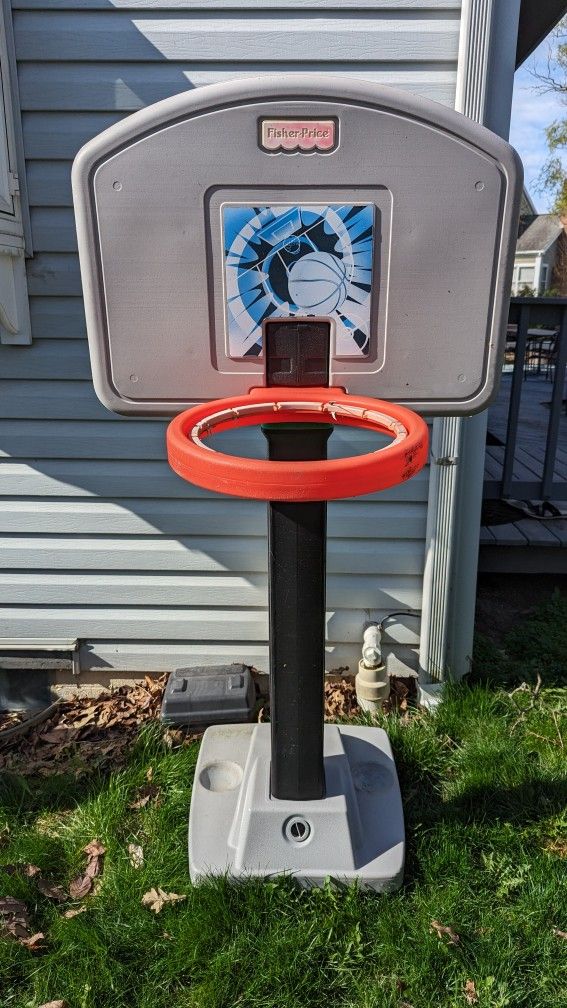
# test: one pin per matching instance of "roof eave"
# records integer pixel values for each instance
(537, 19)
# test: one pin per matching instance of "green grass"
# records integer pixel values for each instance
(484, 789)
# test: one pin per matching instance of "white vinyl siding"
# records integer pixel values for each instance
(100, 540)
(15, 325)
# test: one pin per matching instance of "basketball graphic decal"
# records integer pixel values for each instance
(287, 260)
(318, 281)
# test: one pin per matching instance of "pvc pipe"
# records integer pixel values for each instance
(371, 650)
(371, 683)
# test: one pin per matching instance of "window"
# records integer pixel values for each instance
(543, 283)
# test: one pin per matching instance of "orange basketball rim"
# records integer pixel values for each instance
(326, 479)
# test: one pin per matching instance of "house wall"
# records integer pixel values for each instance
(100, 539)
(552, 267)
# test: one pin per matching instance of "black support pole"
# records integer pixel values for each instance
(297, 354)
(297, 538)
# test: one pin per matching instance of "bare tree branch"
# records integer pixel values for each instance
(552, 79)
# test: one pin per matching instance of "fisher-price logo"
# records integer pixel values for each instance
(302, 135)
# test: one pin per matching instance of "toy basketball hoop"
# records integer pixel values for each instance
(285, 286)
(319, 480)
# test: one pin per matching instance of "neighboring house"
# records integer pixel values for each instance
(100, 541)
(540, 264)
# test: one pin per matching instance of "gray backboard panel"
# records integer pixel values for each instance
(399, 225)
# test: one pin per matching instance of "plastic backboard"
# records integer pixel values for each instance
(207, 214)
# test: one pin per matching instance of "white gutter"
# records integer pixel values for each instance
(485, 77)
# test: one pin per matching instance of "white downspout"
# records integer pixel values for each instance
(439, 537)
(485, 77)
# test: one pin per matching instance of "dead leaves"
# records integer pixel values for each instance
(136, 855)
(556, 846)
(559, 934)
(445, 932)
(55, 1004)
(52, 890)
(74, 912)
(340, 700)
(12, 719)
(144, 795)
(156, 899)
(14, 914)
(15, 922)
(27, 870)
(80, 887)
(403, 696)
(471, 995)
(95, 852)
(83, 884)
(83, 734)
(34, 942)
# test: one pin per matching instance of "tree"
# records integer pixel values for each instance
(553, 175)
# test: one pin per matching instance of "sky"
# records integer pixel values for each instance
(531, 113)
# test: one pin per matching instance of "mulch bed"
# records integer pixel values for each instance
(84, 734)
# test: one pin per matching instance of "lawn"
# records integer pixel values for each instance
(480, 920)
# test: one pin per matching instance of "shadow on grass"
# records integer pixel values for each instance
(536, 646)
(22, 799)
(448, 799)
(24, 796)
(518, 806)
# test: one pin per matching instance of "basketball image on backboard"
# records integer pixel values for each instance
(298, 260)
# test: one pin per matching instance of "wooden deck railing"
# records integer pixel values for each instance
(536, 343)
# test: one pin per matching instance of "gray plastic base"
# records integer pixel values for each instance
(355, 832)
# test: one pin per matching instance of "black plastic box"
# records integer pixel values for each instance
(221, 694)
